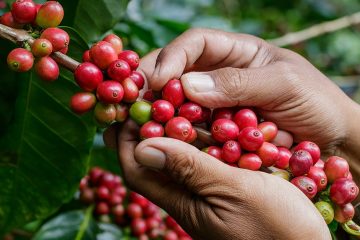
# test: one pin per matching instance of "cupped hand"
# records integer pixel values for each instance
(210, 199)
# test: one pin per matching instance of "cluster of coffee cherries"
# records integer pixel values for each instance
(242, 139)
(42, 21)
(113, 203)
(109, 80)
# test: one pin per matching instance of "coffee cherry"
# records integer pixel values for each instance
(82, 102)
(250, 161)
(103, 54)
(319, 177)
(282, 173)
(137, 78)
(102, 208)
(326, 211)
(223, 113)
(149, 96)
(58, 38)
(344, 213)
(115, 41)
(110, 92)
(306, 185)
(103, 193)
(120, 190)
(151, 210)
(47, 69)
(138, 227)
(8, 20)
(174, 93)
(300, 162)
(162, 111)
(311, 148)
(50, 14)
(119, 70)
(152, 223)
(131, 91)
(104, 113)
(283, 139)
(115, 200)
(151, 129)
(205, 115)
(140, 112)
(86, 56)
(268, 153)
(320, 164)
(343, 191)
(191, 111)
(131, 57)
(170, 235)
(349, 176)
(87, 196)
(139, 199)
(107, 180)
(269, 130)
(88, 76)
(245, 118)
(118, 210)
(23, 11)
(95, 174)
(251, 138)
(223, 130)
(64, 50)
(192, 137)
(231, 151)
(213, 151)
(335, 168)
(284, 157)
(41, 47)
(134, 210)
(84, 183)
(122, 112)
(178, 128)
(20, 60)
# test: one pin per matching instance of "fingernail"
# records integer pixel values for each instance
(199, 82)
(152, 158)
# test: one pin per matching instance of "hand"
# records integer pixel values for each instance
(210, 199)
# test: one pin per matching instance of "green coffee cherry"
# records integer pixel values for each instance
(326, 210)
(140, 112)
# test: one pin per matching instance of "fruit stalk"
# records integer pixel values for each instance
(21, 37)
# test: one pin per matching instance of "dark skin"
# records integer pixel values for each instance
(212, 200)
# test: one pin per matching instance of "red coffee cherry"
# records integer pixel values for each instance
(134, 210)
(119, 70)
(251, 138)
(306, 185)
(110, 92)
(223, 130)
(8, 20)
(269, 130)
(245, 118)
(131, 57)
(86, 56)
(335, 168)
(250, 161)
(103, 54)
(162, 111)
(179, 128)
(122, 112)
(223, 113)
(131, 91)
(50, 14)
(213, 151)
(24, 11)
(300, 162)
(88, 76)
(82, 102)
(47, 69)
(268, 153)
(138, 226)
(191, 111)
(319, 177)
(343, 191)
(231, 151)
(284, 157)
(311, 148)
(151, 129)
(174, 93)
(41, 47)
(344, 213)
(58, 38)
(20, 60)
(115, 41)
(137, 78)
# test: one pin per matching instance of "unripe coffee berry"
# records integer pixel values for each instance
(103, 54)
(104, 113)
(245, 118)
(20, 60)
(119, 70)
(224, 130)
(151, 129)
(122, 112)
(174, 93)
(131, 57)
(326, 211)
(47, 69)
(162, 111)
(306, 185)
(140, 112)
(251, 138)
(41, 47)
(50, 14)
(82, 102)
(58, 38)
(24, 11)
(250, 161)
(88, 76)
(344, 213)
(300, 162)
(115, 41)
(231, 151)
(191, 111)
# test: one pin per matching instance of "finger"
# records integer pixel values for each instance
(110, 136)
(147, 65)
(203, 49)
(227, 87)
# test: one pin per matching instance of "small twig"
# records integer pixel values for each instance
(316, 30)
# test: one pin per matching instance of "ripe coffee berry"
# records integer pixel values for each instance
(115, 200)
(284, 157)
(231, 151)
(119, 70)
(110, 92)
(268, 153)
(115, 41)
(326, 211)
(335, 168)
(87, 196)
(170, 235)
(86, 56)
(8, 20)
(245, 118)
(131, 57)
(82, 102)
(223, 130)
(179, 128)
(269, 130)
(174, 93)
(41, 47)
(344, 213)
(250, 161)
(88, 76)
(205, 115)
(306, 185)
(137, 78)
(20, 60)
(50, 14)
(191, 111)
(319, 177)
(131, 91)
(103, 54)
(102, 208)
(103, 193)
(213, 151)
(24, 11)
(343, 191)
(138, 227)
(118, 210)
(251, 138)
(107, 179)
(122, 112)
(223, 113)
(151, 129)
(58, 38)
(300, 162)
(134, 210)
(139, 199)
(140, 112)
(311, 148)
(320, 164)
(104, 113)
(47, 69)
(162, 111)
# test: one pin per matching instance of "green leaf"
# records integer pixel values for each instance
(77, 225)
(44, 147)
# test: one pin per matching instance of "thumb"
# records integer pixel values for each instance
(227, 87)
